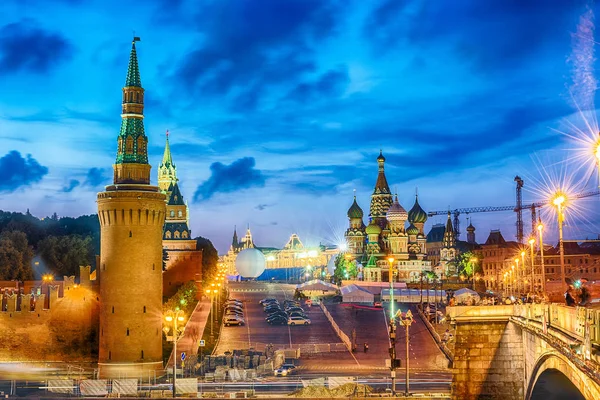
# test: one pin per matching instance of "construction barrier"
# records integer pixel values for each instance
(335, 381)
(93, 387)
(313, 382)
(63, 386)
(124, 386)
(344, 338)
(186, 385)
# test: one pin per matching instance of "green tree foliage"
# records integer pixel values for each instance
(184, 299)
(15, 256)
(343, 267)
(210, 258)
(468, 264)
(64, 254)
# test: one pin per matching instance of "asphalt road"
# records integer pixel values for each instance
(257, 332)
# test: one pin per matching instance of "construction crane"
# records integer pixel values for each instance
(533, 207)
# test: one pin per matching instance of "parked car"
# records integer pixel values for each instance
(298, 321)
(234, 302)
(231, 320)
(232, 312)
(292, 309)
(273, 308)
(277, 314)
(297, 314)
(377, 304)
(234, 307)
(291, 302)
(284, 370)
(278, 320)
(267, 300)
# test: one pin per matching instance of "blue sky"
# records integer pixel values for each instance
(278, 109)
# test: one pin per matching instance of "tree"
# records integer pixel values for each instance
(64, 254)
(210, 258)
(344, 268)
(468, 264)
(15, 256)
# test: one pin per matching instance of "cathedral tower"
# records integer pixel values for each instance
(355, 234)
(381, 199)
(132, 216)
(167, 171)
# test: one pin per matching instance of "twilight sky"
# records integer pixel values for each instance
(278, 109)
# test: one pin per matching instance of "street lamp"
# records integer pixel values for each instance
(173, 318)
(210, 292)
(392, 328)
(48, 279)
(540, 229)
(559, 201)
(518, 272)
(531, 243)
(407, 322)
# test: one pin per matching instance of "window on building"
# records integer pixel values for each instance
(127, 331)
(142, 354)
(113, 309)
(179, 214)
(168, 234)
(144, 309)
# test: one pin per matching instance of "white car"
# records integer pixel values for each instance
(297, 320)
(231, 320)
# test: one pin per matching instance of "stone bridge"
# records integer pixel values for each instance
(511, 351)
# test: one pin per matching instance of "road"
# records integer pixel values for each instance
(257, 332)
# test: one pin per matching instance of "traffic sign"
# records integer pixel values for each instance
(182, 355)
(201, 343)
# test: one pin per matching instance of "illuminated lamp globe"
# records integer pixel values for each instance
(250, 263)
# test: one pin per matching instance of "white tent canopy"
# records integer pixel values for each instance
(464, 295)
(317, 285)
(356, 294)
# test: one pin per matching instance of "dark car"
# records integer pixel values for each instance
(292, 309)
(273, 308)
(276, 315)
(278, 320)
(273, 312)
(267, 300)
(297, 314)
(287, 303)
(234, 308)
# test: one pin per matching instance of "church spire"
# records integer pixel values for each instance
(131, 165)
(167, 171)
(133, 71)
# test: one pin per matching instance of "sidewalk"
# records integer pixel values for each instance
(193, 331)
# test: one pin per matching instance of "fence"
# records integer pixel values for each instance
(344, 338)
(436, 336)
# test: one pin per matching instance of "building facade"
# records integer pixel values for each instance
(184, 260)
(391, 233)
(132, 217)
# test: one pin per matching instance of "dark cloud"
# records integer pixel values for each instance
(255, 45)
(494, 34)
(16, 171)
(240, 174)
(261, 207)
(25, 47)
(331, 83)
(73, 183)
(96, 177)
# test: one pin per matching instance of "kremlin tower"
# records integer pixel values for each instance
(132, 216)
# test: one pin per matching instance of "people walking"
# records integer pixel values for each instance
(366, 347)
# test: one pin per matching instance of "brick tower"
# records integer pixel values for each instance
(132, 216)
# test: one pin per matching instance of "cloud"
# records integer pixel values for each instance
(261, 207)
(272, 43)
(240, 174)
(16, 171)
(96, 177)
(25, 47)
(73, 183)
(331, 83)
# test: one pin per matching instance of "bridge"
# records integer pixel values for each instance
(509, 351)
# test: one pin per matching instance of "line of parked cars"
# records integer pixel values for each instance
(234, 312)
(288, 313)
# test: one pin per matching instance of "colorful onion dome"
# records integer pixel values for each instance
(381, 158)
(355, 211)
(417, 215)
(396, 212)
(470, 228)
(373, 228)
(412, 230)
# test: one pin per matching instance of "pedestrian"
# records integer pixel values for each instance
(366, 347)
(569, 298)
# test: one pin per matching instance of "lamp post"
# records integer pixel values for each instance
(518, 272)
(407, 322)
(540, 229)
(531, 244)
(512, 279)
(48, 279)
(209, 292)
(559, 201)
(173, 318)
(392, 328)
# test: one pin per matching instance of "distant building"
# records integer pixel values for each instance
(387, 235)
(443, 248)
(293, 254)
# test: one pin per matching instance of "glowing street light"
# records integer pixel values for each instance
(540, 228)
(175, 321)
(518, 272)
(559, 201)
(531, 243)
(392, 331)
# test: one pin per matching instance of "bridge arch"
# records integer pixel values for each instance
(551, 361)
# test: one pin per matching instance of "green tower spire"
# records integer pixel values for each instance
(133, 71)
